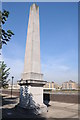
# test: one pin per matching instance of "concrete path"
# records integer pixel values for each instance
(62, 110)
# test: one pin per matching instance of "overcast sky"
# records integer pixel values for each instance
(58, 40)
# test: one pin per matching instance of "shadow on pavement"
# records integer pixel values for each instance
(17, 112)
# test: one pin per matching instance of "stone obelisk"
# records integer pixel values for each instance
(31, 85)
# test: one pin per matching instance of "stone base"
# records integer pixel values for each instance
(31, 96)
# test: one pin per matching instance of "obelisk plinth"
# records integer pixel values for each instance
(31, 85)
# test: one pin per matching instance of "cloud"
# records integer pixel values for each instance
(61, 69)
(60, 76)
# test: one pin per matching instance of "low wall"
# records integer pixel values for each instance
(66, 98)
(62, 98)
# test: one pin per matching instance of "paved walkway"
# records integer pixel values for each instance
(62, 110)
(55, 110)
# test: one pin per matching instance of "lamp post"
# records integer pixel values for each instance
(12, 86)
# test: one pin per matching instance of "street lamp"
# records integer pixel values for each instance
(12, 86)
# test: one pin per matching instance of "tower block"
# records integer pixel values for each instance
(31, 84)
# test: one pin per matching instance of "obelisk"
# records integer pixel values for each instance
(31, 84)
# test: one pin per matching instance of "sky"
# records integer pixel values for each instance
(58, 39)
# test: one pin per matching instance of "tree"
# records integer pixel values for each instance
(5, 36)
(4, 73)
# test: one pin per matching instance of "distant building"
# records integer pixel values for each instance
(69, 85)
(51, 85)
(15, 86)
